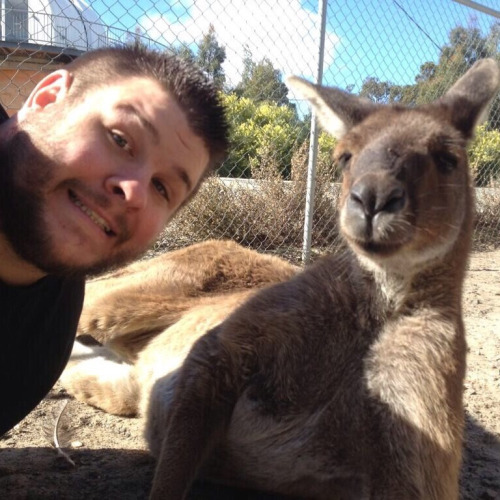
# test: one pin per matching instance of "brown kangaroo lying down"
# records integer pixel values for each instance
(344, 382)
(151, 312)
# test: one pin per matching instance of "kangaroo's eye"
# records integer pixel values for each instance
(446, 162)
(344, 159)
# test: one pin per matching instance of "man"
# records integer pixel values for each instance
(100, 157)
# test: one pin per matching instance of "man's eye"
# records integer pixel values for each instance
(160, 188)
(120, 141)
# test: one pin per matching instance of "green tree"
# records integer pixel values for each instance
(484, 156)
(427, 71)
(211, 55)
(182, 51)
(469, 43)
(464, 47)
(262, 82)
(261, 133)
(376, 90)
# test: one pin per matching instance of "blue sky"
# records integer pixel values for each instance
(391, 39)
(388, 39)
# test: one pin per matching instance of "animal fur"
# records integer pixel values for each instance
(346, 380)
(148, 315)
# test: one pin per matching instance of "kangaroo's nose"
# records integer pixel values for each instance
(373, 195)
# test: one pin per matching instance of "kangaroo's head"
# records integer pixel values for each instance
(406, 190)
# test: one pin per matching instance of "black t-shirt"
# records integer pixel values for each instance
(3, 114)
(37, 329)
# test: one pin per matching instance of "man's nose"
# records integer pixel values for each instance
(132, 190)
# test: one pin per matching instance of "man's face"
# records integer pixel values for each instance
(95, 181)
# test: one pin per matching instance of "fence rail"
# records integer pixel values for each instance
(387, 50)
(64, 30)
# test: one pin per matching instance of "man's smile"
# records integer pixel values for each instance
(97, 219)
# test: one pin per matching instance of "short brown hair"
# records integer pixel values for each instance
(183, 80)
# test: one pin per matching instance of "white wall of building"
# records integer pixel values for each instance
(58, 23)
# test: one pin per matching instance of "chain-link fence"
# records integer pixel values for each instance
(388, 50)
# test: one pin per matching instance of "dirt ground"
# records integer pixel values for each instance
(111, 461)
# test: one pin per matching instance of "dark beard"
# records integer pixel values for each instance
(24, 172)
(21, 207)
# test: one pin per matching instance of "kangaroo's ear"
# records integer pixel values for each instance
(468, 99)
(337, 110)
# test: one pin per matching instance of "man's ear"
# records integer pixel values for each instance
(51, 89)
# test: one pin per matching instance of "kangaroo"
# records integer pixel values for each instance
(346, 381)
(148, 314)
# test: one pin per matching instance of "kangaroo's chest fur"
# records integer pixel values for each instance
(344, 351)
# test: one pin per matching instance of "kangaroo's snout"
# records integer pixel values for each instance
(374, 209)
(373, 194)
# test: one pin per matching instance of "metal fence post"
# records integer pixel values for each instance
(313, 144)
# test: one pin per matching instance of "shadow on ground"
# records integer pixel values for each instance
(38, 473)
(480, 477)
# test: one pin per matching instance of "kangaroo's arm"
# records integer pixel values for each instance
(126, 312)
(207, 391)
